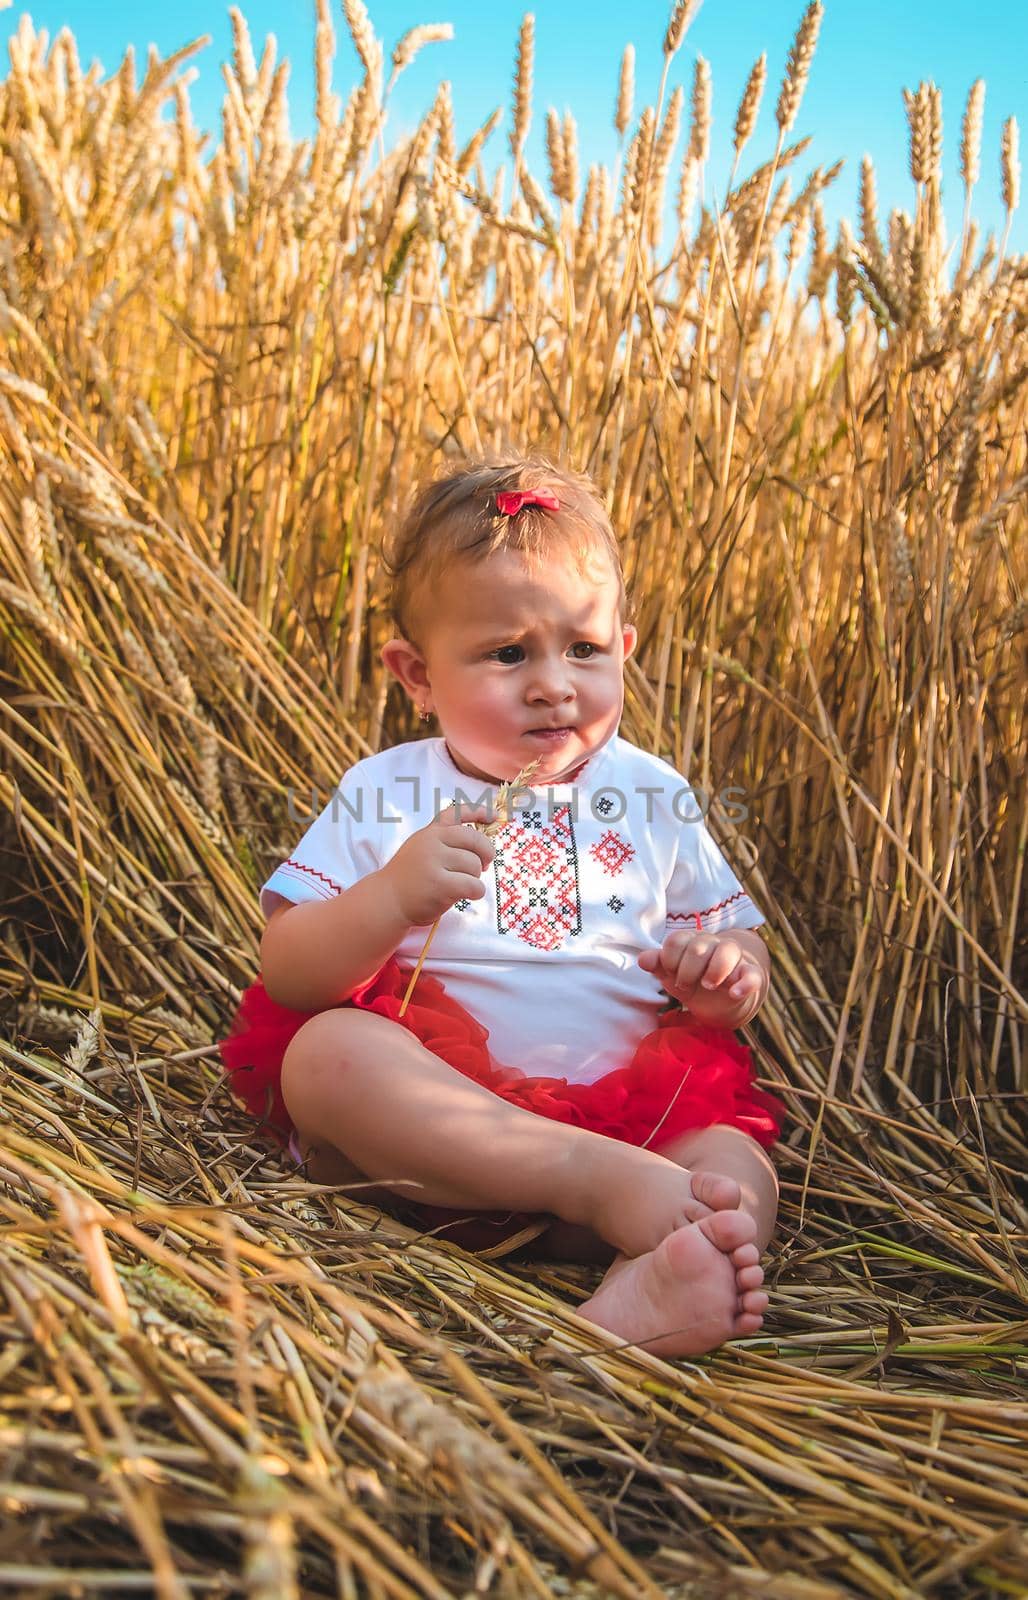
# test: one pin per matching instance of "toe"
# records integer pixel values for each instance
(711, 1189)
(728, 1229)
(749, 1278)
(747, 1255)
(754, 1302)
(746, 1323)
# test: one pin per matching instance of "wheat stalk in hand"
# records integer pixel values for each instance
(503, 815)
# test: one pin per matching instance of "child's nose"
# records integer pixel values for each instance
(550, 682)
(551, 685)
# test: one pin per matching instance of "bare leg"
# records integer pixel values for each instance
(722, 1149)
(357, 1083)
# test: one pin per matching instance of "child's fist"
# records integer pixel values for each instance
(441, 864)
(715, 976)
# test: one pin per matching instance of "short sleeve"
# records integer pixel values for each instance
(704, 894)
(339, 848)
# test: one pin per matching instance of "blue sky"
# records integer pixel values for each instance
(868, 52)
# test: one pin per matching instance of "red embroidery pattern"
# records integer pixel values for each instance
(298, 866)
(695, 917)
(537, 880)
(612, 852)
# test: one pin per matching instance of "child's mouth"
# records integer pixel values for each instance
(550, 735)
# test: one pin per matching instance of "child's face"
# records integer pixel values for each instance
(509, 650)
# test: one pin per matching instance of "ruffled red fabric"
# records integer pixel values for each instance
(682, 1074)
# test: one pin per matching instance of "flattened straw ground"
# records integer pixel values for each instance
(223, 369)
(177, 1299)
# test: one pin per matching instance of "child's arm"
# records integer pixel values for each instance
(721, 979)
(316, 953)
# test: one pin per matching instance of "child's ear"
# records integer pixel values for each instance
(630, 635)
(407, 664)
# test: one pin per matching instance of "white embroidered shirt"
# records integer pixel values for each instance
(586, 875)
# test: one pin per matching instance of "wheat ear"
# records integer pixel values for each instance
(503, 816)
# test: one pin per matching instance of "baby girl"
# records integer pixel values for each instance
(567, 1054)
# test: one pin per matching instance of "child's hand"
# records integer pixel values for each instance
(721, 978)
(440, 864)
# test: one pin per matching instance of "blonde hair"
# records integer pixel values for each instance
(454, 518)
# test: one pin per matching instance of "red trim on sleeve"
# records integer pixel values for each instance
(300, 867)
(696, 916)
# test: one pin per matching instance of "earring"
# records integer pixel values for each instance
(426, 716)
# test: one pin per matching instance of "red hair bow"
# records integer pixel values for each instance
(510, 504)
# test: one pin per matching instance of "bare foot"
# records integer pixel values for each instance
(635, 1197)
(699, 1287)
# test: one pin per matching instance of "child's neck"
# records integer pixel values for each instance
(538, 783)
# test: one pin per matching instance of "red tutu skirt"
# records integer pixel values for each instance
(682, 1075)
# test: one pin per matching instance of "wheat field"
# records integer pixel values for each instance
(228, 356)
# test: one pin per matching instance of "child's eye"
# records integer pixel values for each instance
(501, 653)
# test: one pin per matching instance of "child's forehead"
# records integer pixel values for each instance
(575, 585)
(504, 575)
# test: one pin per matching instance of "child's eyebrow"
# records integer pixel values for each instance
(502, 636)
(514, 634)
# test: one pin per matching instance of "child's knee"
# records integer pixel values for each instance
(314, 1058)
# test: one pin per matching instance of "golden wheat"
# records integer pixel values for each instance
(971, 134)
(228, 356)
(699, 133)
(801, 56)
(1010, 165)
(682, 15)
(523, 86)
(749, 105)
(626, 90)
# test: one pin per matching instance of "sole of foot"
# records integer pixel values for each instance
(699, 1287)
